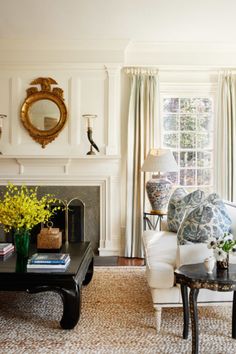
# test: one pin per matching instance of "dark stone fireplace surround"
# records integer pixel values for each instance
(90, 196)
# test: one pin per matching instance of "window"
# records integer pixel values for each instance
(187, 129)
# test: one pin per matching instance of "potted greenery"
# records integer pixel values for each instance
(21, 209)
(221, 249)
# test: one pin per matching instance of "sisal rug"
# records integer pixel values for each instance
(117, 317)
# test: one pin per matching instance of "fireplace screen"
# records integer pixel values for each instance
(69, 219)
(83, 220)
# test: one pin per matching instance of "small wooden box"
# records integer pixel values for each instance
(49, 239)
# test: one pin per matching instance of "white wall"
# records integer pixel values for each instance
(93, 81)
(89, 88)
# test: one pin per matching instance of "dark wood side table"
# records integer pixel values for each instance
(195, 277)
(157, 218)
(15, 277)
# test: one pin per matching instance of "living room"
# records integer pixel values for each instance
(94, 51)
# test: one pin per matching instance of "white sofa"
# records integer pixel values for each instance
(163, 256)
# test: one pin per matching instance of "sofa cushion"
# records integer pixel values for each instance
(180, 202)
(209, 219)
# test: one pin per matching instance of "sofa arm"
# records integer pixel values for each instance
(192, 253)
(151, 237)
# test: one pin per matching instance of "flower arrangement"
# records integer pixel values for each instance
(21, 208)
(222, 246)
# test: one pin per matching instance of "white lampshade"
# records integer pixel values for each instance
(160, 160)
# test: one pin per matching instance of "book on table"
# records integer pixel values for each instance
(6, 248)
(49, 258)
(4, 257)
(48, 266)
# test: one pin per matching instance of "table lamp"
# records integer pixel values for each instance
(158, 187)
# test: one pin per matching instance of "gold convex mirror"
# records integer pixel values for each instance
(43, 112)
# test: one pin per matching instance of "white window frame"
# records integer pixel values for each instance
(189, 90)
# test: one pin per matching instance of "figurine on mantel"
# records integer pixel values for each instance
(90, 118)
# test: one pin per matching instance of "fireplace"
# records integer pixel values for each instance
(79, 219)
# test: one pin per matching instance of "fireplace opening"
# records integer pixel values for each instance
(83, 213)
(69, 219)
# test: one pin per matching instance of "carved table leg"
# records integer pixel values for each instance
(194, 319)
(89, 274)
(184, 292)
(234, 317)
(71, 306)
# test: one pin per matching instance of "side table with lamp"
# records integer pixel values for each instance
(152, 219)
(159, 187)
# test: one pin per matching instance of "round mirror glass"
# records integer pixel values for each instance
(44, 114)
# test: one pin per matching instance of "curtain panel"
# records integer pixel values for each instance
(226, 137)
(141, 117)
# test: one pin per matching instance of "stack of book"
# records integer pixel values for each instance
(6, 249)
(49, 261)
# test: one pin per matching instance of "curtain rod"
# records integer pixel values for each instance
(180, 68)
(141, 70)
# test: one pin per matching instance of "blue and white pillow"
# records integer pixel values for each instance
(209, 219)
(181, 202)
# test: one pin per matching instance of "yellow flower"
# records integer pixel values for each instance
(20, 207)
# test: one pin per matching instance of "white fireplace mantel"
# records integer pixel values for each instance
(98, 170)
(24, 161)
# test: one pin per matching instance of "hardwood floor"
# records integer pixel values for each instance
(118, 261)
(122, 261)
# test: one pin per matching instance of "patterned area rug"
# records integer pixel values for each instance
(117, 317)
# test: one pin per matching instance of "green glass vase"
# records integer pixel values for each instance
(22, 240)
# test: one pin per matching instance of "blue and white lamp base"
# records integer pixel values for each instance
(158, 191)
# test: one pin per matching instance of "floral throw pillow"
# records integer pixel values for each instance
(181, 202)
(209, 219)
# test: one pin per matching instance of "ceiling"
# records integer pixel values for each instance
(137, 20)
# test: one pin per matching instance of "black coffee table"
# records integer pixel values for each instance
(195, 277)
(68, 283)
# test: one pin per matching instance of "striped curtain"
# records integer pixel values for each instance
(141, 117)
(226, 137)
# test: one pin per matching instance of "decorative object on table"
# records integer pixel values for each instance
(221, 249)
(209, 218)
(2, 116)
(21, 264)
(20, 210)
(22, 241)
(90, 118)
(49, 238)
(209, 264)
(159, 188)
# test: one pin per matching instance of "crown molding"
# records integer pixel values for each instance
(134, 46)
(181, 54)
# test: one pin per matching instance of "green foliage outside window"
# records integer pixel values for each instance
(187, 130)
